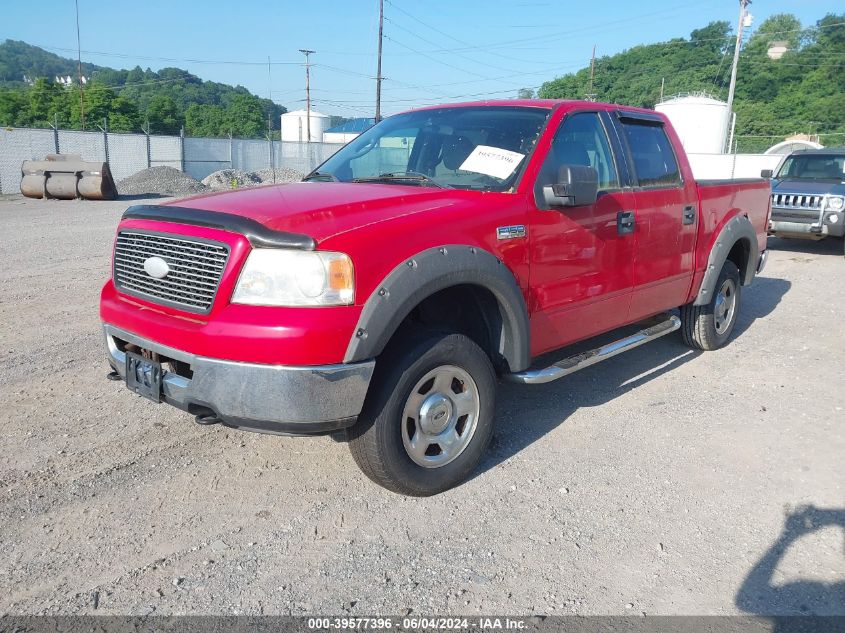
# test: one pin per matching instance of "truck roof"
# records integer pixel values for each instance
(824, 151)
(546, 104)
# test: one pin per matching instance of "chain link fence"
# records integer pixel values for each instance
(130, 153)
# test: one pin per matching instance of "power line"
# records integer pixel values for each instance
(435, 60)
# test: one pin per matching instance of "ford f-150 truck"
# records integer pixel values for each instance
(440, 250)
(808, 195)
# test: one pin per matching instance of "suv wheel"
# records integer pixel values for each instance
(709, 327)
(428, 417)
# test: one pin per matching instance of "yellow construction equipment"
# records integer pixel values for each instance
(67, 176)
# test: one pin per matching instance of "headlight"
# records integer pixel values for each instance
(835, 203)
(279, 277)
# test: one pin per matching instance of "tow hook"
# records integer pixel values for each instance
(114, 376)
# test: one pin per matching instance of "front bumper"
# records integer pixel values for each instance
(814, 225)
(265, 398)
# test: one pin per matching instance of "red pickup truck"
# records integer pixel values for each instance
(441, 250)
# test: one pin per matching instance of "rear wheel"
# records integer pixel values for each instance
(709, 327)
(429, 415)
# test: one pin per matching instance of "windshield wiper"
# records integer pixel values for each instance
(321, 175)
(403, 175)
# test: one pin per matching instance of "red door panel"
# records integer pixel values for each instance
(665, 248)
(581, 272)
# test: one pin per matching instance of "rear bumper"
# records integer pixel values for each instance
(265, 398)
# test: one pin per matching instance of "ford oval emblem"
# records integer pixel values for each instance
(156, 267)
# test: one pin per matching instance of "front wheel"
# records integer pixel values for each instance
(709, 327)
(429, 415)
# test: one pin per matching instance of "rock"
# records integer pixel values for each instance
(219, 545)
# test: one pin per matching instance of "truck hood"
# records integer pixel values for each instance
(818, 187)
(324, 209)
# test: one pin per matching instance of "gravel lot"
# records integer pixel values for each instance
(659, 482)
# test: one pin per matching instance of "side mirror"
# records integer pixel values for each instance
(576, 186)
(767, 173)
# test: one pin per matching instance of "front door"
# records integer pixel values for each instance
(581, 266)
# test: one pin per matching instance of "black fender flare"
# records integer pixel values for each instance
(737, 229)
(433, 270)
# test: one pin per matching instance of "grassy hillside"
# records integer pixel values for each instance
(803, 92)
(130, 99)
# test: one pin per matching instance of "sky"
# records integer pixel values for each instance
(434, 51)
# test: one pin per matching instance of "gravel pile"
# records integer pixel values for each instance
(283, 174)
(231, 179)
(226, 179)
(162, 180)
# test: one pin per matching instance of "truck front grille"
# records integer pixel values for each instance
(195, 269)
(796, 207)
(796, 201)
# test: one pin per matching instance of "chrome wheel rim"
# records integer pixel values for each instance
(440, 416)
(723, 311)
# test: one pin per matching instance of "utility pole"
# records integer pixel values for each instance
(662, 88)
(743, 5)
(378, 67)
(306, 52)
(591, 96)
(269, 122)
(79, 70)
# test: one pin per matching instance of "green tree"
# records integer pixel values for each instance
(163, 115)
(245, 116)
(12, 105)
(44, 96)
(123, 116)
(205, 120)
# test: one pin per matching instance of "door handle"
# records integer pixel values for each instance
(689, 214)
(625, 222)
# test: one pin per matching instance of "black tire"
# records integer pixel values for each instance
(378, 439)
(704, 327)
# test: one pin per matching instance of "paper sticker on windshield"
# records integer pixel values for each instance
(492, 161)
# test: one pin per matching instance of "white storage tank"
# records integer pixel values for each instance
(295, 126)
(700, 120)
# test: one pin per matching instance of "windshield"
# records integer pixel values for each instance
(466, 148)
(814, 167)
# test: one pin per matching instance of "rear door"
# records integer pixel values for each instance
(666, 216)
(581, 266)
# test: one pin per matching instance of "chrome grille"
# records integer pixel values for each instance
(195, 269)
(796, 207)
(797, 201)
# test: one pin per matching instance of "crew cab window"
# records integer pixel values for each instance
(654, 158)
(581, 140)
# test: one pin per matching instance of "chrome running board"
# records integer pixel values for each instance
(585, 359)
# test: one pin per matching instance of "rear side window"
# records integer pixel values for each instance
(654, 158)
